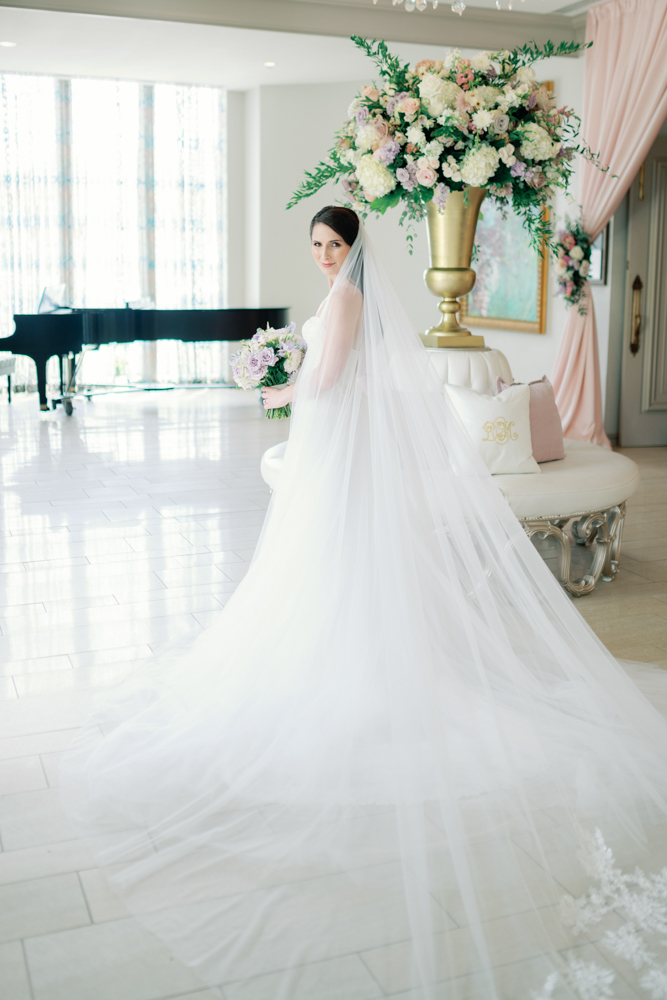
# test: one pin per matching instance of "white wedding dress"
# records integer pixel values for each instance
(381, 772)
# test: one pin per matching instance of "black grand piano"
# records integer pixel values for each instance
(43, 335)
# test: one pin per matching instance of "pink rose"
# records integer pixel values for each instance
(370, 92)
(426, 177)
(423, 65)
(568, 240)
(409, 106)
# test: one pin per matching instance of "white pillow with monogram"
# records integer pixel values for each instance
(499, 427)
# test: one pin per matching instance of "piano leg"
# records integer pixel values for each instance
(41, 362)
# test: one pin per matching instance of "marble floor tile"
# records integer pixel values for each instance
(32, 819)
(41, 906)
(14, 982)
(117, 960)
(21, 774)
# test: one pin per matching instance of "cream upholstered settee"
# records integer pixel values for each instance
(588, 489)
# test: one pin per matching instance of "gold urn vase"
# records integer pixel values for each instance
(451, 235)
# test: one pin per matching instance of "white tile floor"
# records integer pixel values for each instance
(123, 528)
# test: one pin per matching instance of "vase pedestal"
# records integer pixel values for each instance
(451, 340)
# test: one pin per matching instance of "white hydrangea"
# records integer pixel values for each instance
(482, 119)
(366, 136)
(536, 143)
(374, 178)
(576, 252)
(481, 62)
(438, 94)
(483, 97)
(354, 107)
(479, 165)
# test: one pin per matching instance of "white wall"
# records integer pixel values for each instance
(289, 128)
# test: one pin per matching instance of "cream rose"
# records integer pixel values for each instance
(576, 253)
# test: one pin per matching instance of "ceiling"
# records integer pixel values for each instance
(74, 44)
(157, 39)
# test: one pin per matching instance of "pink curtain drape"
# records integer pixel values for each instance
(625, 104)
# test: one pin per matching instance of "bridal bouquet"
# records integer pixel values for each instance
(446, 125)
(574, 262)
(271, 357)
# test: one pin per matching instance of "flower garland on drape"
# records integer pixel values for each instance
(625, 104)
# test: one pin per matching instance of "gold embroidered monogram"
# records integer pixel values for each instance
(499, 431)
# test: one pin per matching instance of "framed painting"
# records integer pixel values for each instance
(511, 285)
(598, 271)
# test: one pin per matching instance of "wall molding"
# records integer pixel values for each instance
(478, 28)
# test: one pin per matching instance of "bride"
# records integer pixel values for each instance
(400, 761)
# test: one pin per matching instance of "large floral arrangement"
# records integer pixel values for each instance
(270, 357)
(574, 262)
(446, 125)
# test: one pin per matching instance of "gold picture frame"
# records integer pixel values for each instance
(510, 290)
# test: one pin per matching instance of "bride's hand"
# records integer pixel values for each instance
(273, 397)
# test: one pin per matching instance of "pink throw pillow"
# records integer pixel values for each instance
(546, 430)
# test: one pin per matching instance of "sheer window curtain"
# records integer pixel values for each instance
(30, 208)
(125, 185)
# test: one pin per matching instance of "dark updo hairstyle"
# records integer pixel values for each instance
(342, 220)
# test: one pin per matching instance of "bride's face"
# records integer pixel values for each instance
(329, 250)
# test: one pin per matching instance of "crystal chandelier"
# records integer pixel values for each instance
(457, 7)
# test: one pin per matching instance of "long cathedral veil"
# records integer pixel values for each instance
(374, 775)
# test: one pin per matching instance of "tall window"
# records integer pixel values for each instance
(116, 189)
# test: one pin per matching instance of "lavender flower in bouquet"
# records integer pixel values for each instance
(271, 357)
(574, 262)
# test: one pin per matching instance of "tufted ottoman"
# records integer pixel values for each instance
(589, 487)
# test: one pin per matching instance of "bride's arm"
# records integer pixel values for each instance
(342, 318)
(275, 396)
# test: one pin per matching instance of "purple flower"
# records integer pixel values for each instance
(361, 116)
(268, 356)
(407, 177)
(518, 169)
(257, 366)
(532, 100)
(393, 101)
(441, 195)
(387, 153)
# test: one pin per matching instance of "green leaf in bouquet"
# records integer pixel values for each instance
(387, 201)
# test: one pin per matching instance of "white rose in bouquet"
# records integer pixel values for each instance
(585, 268)
(526, 74)
(438, 94)
(576, 253)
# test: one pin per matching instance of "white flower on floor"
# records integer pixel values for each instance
(589, 980)
(641, 901)
(655, 984)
